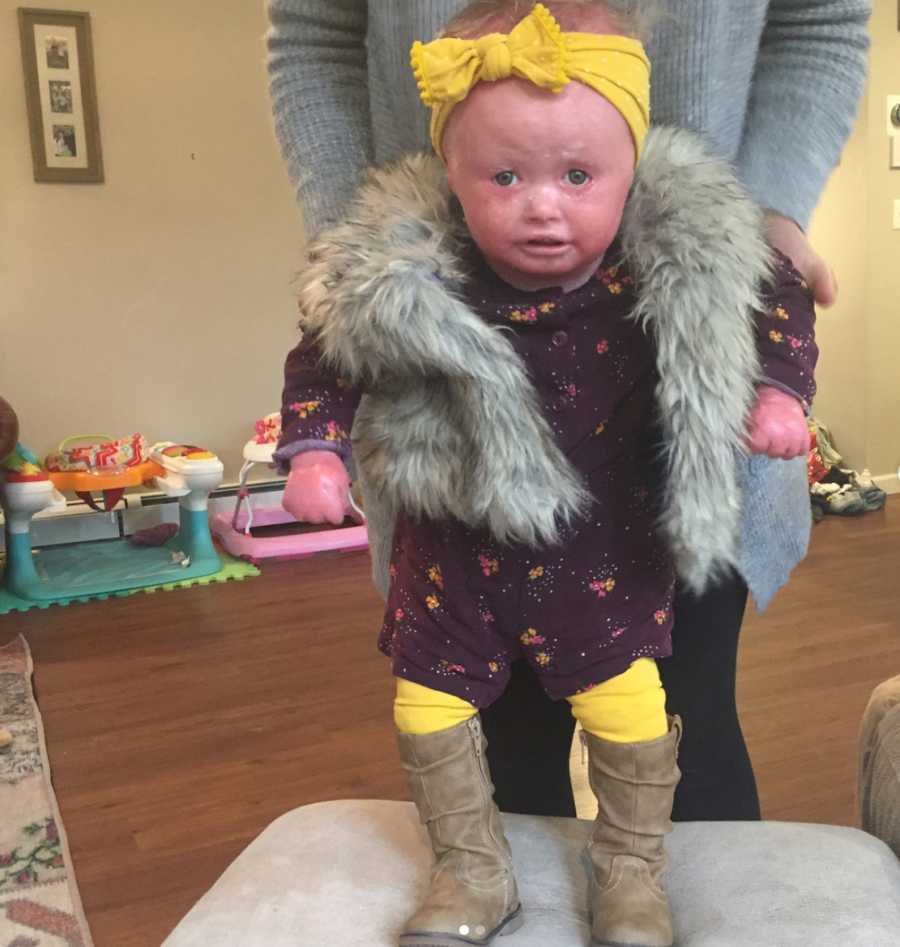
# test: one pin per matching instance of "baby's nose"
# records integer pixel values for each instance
(543, 203)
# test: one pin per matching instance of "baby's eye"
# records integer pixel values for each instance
(577, 177)
(505, 178)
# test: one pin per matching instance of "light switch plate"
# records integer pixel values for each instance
(892, 100)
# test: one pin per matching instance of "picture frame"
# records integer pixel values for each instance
(61, 96)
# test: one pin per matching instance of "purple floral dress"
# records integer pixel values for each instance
(461, 606)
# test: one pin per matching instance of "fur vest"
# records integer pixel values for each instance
(450, 425)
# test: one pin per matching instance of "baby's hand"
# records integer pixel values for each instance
(318, 488)
(777, 425)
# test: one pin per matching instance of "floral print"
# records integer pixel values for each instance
(614, 280)
(530, 314)
(531, 637)
(460, 607)
(316, 407)
(303, 409)
(488, 566)
(463, 598)
(602, 587)
(36, 860)
(334, 432)
(533, 640)
(788, 358)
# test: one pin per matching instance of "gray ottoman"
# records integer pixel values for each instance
(346, 874)
(878, 791)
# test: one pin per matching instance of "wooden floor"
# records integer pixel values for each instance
(180, 724)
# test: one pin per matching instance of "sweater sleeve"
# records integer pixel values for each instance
(317, 407)
(807, 84)
(785, 333)
(318, 84)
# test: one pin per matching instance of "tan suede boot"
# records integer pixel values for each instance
(473, 895)
(634, 784)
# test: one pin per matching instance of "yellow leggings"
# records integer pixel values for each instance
(630, 708)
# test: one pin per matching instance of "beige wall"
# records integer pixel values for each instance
(838, 232)
(158, 301)
(882, 377)
(859, 381)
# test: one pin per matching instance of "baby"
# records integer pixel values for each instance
(548, 341)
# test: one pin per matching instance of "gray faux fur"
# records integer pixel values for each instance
(693, 238)
(451, 426)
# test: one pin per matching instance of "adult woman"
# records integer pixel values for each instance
(774, 86)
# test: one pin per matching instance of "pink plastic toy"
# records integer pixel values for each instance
(234, 531)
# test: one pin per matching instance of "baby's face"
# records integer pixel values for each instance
(542, 178)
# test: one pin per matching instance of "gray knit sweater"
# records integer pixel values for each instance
(773, 84)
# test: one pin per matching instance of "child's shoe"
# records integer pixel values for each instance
(473, 895)
(634, 784)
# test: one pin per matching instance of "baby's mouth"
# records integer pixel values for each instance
(545, 246)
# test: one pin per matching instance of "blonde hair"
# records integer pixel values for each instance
(634, 18)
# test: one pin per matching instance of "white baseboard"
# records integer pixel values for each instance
(79, 523)
(890, 483)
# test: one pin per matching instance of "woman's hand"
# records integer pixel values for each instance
(785, 235)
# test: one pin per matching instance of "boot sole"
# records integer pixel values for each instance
(425, 939)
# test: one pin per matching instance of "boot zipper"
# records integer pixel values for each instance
(475, 735)
(476, 743)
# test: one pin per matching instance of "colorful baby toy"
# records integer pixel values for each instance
(234, 531)
(61, 574)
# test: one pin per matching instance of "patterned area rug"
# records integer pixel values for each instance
(39, 901)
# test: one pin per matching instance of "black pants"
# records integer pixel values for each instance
(529, 736)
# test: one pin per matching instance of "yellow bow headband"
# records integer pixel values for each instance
(537, 50)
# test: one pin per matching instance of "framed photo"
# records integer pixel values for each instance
(58, 62)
